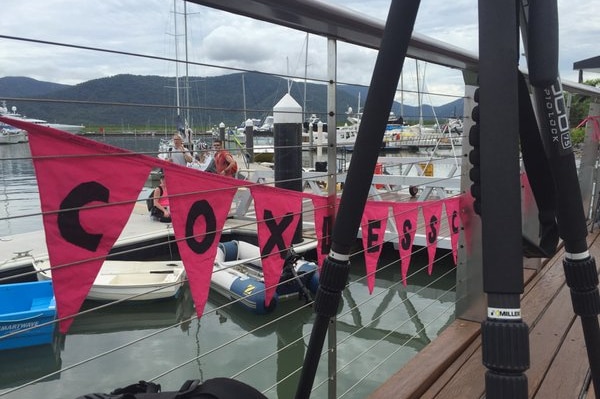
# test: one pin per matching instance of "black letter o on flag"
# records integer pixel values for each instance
(198, 209)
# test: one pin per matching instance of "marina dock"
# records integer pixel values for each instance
(406, 319)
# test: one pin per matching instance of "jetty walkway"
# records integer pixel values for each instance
(451, 366)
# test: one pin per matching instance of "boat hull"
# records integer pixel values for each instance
(13, 136)
(238, 276)
(23, 306)
(131, 281)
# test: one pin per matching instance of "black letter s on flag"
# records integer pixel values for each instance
(434, 233)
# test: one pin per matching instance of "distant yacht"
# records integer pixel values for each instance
(75, 129)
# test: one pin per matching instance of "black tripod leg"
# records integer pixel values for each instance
(505, 337)
(336, 267)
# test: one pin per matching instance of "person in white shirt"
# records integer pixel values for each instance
(179, 155)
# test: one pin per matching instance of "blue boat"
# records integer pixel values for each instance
(25, 306)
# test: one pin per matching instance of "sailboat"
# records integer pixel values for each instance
(166, 145)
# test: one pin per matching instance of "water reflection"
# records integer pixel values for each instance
(18, 191)
(19, 366)
(98, 318)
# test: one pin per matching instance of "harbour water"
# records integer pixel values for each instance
(164, 342)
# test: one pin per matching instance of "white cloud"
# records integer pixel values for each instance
(232, 41)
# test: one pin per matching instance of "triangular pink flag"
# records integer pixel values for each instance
(432, 212)
(87, 193)
(323, 227)
(373, 225)
(452, 206)
(198, 217)
(528, 198)
(277, 213)
(405, 215)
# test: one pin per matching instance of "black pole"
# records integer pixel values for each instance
(287, 139)
(249, 139)
(505, 339)
(336, 267)
(581, 273)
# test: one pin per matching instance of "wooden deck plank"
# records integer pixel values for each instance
(469, 381)
(436, 359)
(572, 356)
(546, 338)
(547, 310)
(449, 373)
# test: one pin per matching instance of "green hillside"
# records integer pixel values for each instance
(150, 101)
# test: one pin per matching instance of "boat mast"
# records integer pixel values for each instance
(244, 97)
(419, 101)
(187, 75)
(305, 75)
(178, 105)
(402, 95)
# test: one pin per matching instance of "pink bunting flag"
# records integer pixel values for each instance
(432, 211)
(323, 226)
(85, 202)
(594, 121)
(278, 214)
(527, 193)
(373, 225)
(405, 215)
(452, 206)
(198, 217)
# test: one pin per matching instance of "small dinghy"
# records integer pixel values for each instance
(238, 275)
(27, 307)
(131, 280)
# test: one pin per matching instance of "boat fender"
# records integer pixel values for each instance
(214, 388)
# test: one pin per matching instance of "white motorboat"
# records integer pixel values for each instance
(10, 135)
(75, 129)
(130, 280)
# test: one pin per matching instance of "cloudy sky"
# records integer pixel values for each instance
(229, 41)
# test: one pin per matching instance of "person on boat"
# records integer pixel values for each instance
(160, 210)
(179, 155)
(224, 163)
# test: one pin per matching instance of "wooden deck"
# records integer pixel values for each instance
(451, 366)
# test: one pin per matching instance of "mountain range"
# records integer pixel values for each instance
(150, 101)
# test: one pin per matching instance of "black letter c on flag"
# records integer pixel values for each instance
(68, 218)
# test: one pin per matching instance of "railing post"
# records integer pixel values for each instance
(470, 299)
(331, 198)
